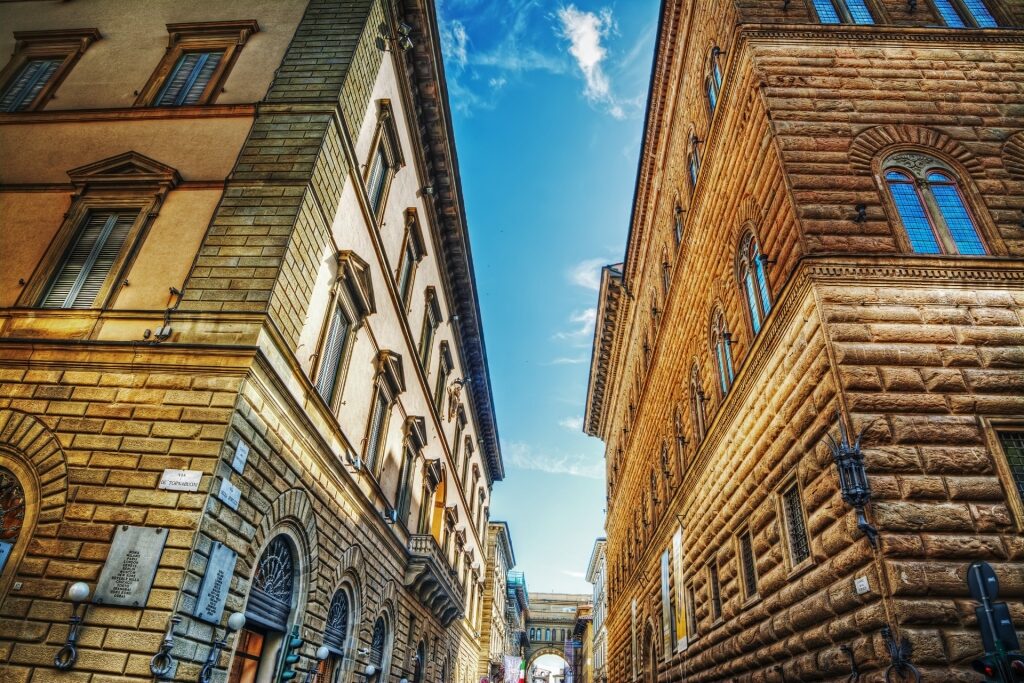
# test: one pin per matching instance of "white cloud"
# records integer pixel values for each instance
(497, 83)
(573, 574)
(524, 457)
(454, 41)
(573, 424)
(584, 31)
(582, 323)
(587, 273)
(566, 360)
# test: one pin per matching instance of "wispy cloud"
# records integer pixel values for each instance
(567, 360)
(525, 457)
(455, 41)
(585, 32)
(573, 424)
(581, 327)
(574, 574)
(587, 273)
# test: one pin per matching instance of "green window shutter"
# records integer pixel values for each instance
(89, 260)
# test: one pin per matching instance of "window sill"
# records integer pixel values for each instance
(800, 569)
(128, 113)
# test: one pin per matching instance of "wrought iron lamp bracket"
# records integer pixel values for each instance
(853, 479)
(162, 663)
(900, 654)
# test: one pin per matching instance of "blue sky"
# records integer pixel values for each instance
(548, 102)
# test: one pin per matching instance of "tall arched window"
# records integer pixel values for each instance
(721, 348)
(420, 663)
(931, 206)
(697, 399)
(268, 613)
(336, 632)
(965, 14)
(750, 269)
(693, 161)
(379, 655)
(12, 514)
(713, 82)
(843, 12)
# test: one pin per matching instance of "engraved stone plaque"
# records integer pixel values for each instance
(131, 566)
(241, 457)
(180, 480)
(213, 592)
(229, 494)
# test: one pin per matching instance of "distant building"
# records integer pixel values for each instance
(826, 234)
(504, 604)
(582, 644)
(596, 571)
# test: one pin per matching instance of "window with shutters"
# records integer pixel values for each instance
(431, 319)
(444, 369)
(378, 428)
(330, 355)
(965, 13)
(41, 60)
(796, 526)
(196, 64)
(691, 611)
(85, 269)
(747, 565)
(384, 160)
(89, 259)
(388, 384)
(843, 12)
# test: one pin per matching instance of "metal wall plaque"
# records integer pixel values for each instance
(180, 480)
(131, 564)
(241, 457)
(229, 494)
(213, 592)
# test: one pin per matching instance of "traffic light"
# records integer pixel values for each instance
(292, 644)
(988, 667)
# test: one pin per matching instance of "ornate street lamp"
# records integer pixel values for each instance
(853, 477)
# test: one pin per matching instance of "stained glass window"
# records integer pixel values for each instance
(954, 214)
(827, 13)
(912, 214)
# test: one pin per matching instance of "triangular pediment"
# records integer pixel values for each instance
(127, 168)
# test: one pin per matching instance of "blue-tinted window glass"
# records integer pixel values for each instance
(982, 17)
(694, 166)
(912, 214)
(712, 95)
(716, 72)
(26, 85)
(827, 13)
(859, 12)
(949, 14)
(762, 279)
(954, 213)
(723, 374)
(755, 313)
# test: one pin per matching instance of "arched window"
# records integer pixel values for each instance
(750, 269)
(713, 82)
(336, 632)
(697, 399)
(12, 514)
(965, 14)
(693, 161)
(379, 654)
(677, 224)
(419, 663)
(843, 12)
(721, 348)
(931, 206)
(268, 613)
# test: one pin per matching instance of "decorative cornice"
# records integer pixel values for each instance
(878, 33)
(129, 114)
(605, 329)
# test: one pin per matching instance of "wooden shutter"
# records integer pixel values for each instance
(330, 356)
(380, 407)
(24, 88)
(87, 263)
(375, 183)
(189, 78)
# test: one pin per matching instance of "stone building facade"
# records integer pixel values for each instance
(826, 232)
(503, 603)
(241, 359)
(597, 573)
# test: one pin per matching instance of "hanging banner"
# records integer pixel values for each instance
(667, 618)
(678, 607)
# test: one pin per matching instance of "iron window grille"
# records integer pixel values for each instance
(799, 548)
(747, 562)
(716, 591)
(1013, 449)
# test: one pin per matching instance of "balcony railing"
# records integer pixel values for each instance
(432, 580)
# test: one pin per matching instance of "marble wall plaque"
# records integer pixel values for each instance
(128, 573)
(229, 494)
(180, 480)
(241, 457)
(213, 592)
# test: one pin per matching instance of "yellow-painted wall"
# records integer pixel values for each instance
(29, 220)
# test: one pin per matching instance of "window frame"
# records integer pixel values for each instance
(389, 383)
(385, 139)
(842, 10)
(749, 596)
(749, 265)
(66, 44)
(412, 253)
(795, 567)
(721, 352)
(1014, 498)
(715, 591)
(183, 38)
(918, 164)
(104, 186)
(432, 319)
(698, 409)
(690, 609)
(967, 17)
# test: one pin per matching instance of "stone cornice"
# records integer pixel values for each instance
(781, 34)
(424, 73)
(606, 335)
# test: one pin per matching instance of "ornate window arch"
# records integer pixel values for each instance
(965, 13)
(929, 203)
(338, 631)
(753, 280)
(713, 81)
(843, 12)
(380, 649)
(17, 515)
(721, 349)
(693, 161)
(271, 607)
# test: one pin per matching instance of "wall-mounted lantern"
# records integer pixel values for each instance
(853, 477)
